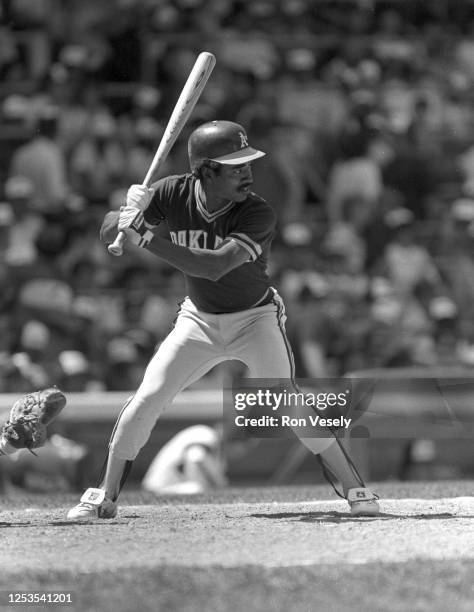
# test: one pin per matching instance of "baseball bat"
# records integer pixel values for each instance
(188, 97)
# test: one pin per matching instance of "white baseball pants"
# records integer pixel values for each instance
(198, 342)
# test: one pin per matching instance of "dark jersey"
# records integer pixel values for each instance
(180, 201)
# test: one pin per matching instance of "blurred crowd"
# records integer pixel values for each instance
(365, 111)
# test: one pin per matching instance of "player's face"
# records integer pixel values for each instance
(233, 182)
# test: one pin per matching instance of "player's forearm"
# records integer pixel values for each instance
(108, 229)
(203, 263)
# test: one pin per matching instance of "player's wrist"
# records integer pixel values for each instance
(132, 222)
(138, 232)
(140, 238)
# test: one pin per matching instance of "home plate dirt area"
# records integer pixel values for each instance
(287, 548)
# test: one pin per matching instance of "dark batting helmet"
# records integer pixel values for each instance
(223, 142)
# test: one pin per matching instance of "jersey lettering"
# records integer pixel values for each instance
(194, 239)
(194, 236)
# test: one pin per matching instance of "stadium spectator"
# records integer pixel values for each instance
(97, 162)
(405, 262)
(43, 163)
(26, 223)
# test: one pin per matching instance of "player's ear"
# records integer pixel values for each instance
(207, 172)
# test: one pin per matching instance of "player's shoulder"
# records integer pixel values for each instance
(173, 181)
(173, 189)
(256, 205)
(169, 192)
(172, 184)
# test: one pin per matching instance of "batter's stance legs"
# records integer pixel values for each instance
(177, 364)
(274, 360)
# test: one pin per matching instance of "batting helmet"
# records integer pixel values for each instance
(223, 142)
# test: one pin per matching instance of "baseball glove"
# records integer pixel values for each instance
(29, 417)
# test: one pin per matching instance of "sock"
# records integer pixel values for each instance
(341, 466)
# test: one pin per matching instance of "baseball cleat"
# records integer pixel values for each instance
(363, 502)
(94, 504)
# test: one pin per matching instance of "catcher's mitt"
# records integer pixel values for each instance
(29, 416)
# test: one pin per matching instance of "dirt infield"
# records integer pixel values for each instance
(270, 549)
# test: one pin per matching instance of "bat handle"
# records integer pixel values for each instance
(116, 248)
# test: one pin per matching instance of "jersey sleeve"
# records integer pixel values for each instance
(157, 211)
(255, 228)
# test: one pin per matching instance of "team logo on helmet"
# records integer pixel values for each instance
(243, 140)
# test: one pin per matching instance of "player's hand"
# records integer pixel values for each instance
(131, 222)
(139, 196)
(127, 216)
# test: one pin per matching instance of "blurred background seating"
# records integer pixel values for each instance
(365, 111)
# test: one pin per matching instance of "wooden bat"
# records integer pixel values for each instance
(192, 89)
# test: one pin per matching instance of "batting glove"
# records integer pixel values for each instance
(139, 196)
(131, 222)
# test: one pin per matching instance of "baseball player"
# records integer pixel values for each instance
(219, 235)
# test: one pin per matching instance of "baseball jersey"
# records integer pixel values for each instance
(180, 200)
